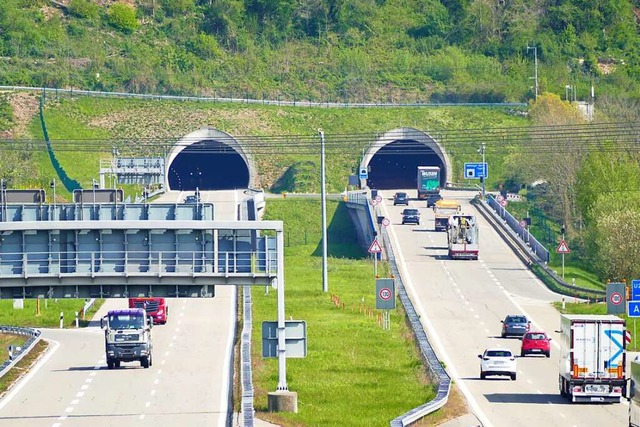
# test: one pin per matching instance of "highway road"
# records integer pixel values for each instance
(225, 202)
(461, 304)
(188, 384)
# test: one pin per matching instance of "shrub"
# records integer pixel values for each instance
(123, 17)
(84, 9)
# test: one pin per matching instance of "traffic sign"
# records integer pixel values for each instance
(364, 173)
(476, 170)
(385, 294)
(616, 298)
(523, 223)
(633, 309)
(378, 198)
(375, 247)
(635, 290)
(563, 248)
(386, 222)
(503, 202)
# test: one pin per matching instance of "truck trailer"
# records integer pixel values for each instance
(428, 182)
(127, 337)
(592, 358)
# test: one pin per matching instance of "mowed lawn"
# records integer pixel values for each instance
(355, 373)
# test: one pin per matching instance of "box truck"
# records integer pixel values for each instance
(592, 358)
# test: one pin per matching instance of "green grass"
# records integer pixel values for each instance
(50, 310)
(355, 372)
(10, 339)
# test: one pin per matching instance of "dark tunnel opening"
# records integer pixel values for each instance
(208, 165)
(396, 164)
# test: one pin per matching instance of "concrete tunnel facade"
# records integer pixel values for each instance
(392, 160)
(208, 159)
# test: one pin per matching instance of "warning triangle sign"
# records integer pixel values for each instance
(375, 247)
(563, 248)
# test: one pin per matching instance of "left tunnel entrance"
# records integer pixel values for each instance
(208, 165)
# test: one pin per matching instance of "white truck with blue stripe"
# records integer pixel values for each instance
(592, 358)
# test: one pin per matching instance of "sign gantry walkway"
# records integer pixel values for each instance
(121, 250)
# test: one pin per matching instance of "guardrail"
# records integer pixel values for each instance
(34, 337)
(94, 264)
(246, 373)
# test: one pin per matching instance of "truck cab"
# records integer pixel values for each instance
(127, 336)
(157, 308)
(442, 210)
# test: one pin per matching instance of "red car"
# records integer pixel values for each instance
(535, 343)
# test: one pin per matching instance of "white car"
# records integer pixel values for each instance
(497, 361)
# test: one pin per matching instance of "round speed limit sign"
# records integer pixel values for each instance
(385, 294)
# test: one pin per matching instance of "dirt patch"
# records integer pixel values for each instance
(25, 107)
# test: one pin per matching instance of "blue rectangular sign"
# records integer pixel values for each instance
(634, 309)
(635, 290)
(476, 170)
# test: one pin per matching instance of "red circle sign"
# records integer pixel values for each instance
(386, 222)
(615, 298)
(385, 294)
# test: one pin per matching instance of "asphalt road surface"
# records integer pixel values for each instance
(461, 304)
(188, 384)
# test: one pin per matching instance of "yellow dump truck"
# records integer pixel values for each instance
(443, 209)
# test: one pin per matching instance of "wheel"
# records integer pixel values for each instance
(144, 362)
(117, 363)
(418, 223)
(110, 364)
(482, 375)
(548, 354)
(503, 335)
(563, 393)
(150, 360)
(513, 376)
(523, 354)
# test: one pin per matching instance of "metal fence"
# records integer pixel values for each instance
(246, 373)
(248, 100)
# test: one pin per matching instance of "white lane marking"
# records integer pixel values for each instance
(224, 384)
(80, 394)
(442, 354)
(153, 392)
(562, 415)
(84, 387)
(166, 353)
(147, 404)
(69, 409)
(7, 398)
(530, 382)
(156, 381)
(56, 424)
(142, 416)
(162, 363)
(88, 380)
(92, 374)
(62, 417)
(75, 401)
(159, 371)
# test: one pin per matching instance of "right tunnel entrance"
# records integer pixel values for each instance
(396, 164)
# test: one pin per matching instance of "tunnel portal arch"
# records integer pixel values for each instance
(208, 159)
(393, 159)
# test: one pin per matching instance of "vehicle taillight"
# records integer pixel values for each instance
(617, 389)
(577, 389)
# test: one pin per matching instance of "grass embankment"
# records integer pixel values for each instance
(49, 315)
(355, 372)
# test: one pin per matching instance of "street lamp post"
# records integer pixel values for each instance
(484, 169)
(535, 67)
(325, 280)
(566, 92)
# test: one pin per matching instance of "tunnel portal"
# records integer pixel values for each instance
(395, 165)
(208, 165)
